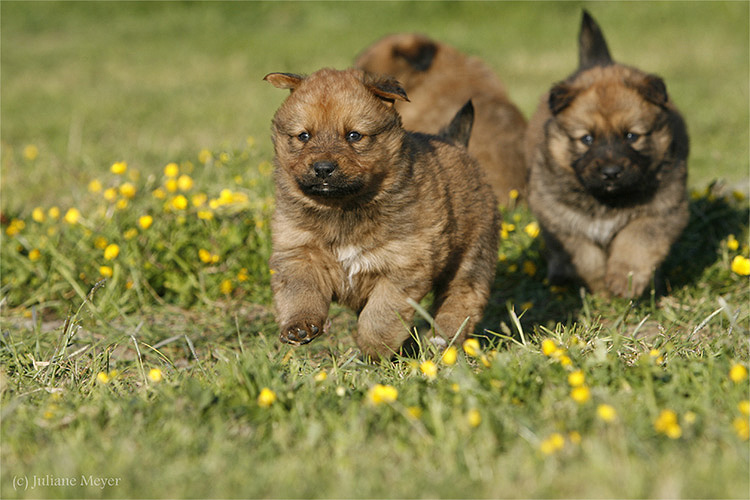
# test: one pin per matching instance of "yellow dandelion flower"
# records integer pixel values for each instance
(242, 275)
(666, 423)
(744, 407)
(145, 221)
(130, 233)
(53, 213)
(171, 170)
(95, 186)
(471, 347)
(529, 268)
(102, 378)
(575, 437)
(100, 242)
(737, 373)
(549, 347)
(532, 229)
(122, 204)
(35, 255)
(450, 355)
(105, 271)
(159, 194)
(38, 215)
(576, 378)
(127, 189)
(226, 287)
(732, 242)
(204, 255)
(224, 157)
(15, 227)
(738, 195)
(741, 265)
(414, 412)
(321, 376)
(185, 182)
(179, 202)
(72, 216)
(205, 214)
(198, 200)
(204, 156)
(110, 194)
(429, 369)
(170, 185)
(565, 360)
(606, 412)
(552, 444)
(742, 428)
(513, 194)
(380, 394)
(111, 251)
(580, 394)
(118, 167)
(155, 375)
(474, 417)
(266, 397)
(30, 152)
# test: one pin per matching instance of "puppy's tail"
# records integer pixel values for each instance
(458, 131)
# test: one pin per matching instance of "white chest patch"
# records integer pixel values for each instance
(355, 260)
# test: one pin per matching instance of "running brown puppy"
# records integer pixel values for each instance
(439, 80)
(370, 215)
(607, 150)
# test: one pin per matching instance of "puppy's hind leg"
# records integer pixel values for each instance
(383, 324)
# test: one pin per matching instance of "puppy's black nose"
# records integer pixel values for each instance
(610, 172)
(324, 169)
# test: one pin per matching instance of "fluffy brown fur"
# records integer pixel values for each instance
(439, 80)
(607, 152)
(370, 215)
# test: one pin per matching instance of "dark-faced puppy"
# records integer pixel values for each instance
(439, 80)
(607, 151)
(370, 215)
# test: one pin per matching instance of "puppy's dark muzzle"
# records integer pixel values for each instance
(324, 169)
(610, 172)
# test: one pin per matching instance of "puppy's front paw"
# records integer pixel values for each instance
(300, 332)
(627, 284)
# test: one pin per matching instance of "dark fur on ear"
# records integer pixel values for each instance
(458, 131)
(385, 87)
(592, 47)
(653, 89)
(560, 97)
(284, 80)
(418, 56)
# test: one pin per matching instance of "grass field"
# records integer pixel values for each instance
(138, 355)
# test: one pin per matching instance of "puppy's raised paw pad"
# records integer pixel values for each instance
(299, 334)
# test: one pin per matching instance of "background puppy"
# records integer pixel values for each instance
(371, 215)
(439, 80)
(607, 153)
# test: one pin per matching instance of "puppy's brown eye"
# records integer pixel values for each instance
(587, 140)
(353, 136)
(632, 137)
(304, 137)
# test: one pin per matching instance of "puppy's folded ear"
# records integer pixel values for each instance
(284, 80)
(418, 52)
(653, 89)
(386, 88)
(560, 97)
